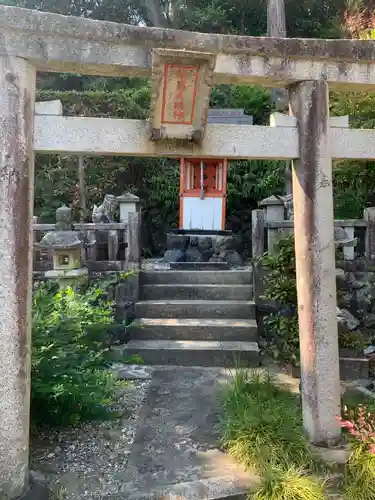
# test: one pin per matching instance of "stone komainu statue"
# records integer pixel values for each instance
(104, 213)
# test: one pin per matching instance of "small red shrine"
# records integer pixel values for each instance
(203, 185)
(181, 86)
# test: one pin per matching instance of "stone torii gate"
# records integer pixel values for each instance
(183, 66)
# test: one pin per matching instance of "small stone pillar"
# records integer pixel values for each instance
(315, 263)
(128, 203)
(274, 209)
(17, 97)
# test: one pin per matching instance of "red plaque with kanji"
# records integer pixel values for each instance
(179, 94)
(181, 83)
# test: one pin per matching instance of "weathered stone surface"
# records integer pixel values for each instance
(315, 263)
(232, 257)
(17, 96)
(177, 241)
(174, 256)
(346, 321)
(204, 243)
(177, 440)
(122, 50)
(192, 254)
(222, 243)
(134, 372)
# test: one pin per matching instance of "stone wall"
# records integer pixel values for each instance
(356, 297)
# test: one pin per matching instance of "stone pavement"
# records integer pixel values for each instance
(176, 452)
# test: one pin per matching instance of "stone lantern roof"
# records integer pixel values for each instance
(63, 237)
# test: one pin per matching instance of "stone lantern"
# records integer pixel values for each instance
(66, 245)
(128, 203)
(274, 208)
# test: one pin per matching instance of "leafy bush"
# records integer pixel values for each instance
(69, 380)
(282, 340)
(359, 480)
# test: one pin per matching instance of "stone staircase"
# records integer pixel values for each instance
(195, 318)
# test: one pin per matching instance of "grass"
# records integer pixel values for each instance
(288, 484)
(262, 429)
(263, 423)
(359, 480)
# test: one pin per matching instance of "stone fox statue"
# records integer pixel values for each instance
(104, 213)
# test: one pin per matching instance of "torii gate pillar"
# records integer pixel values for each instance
(17, 97)
(315, 263)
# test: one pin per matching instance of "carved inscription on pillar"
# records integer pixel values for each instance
(179, 94)
(181, 84)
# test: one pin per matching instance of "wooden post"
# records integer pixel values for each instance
(17, 98)
(315, 263)
(369, 217)
(82, 187)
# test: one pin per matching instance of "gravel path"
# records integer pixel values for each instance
(89, 462)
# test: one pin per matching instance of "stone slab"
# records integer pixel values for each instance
(192, 292)
(201, 266)
(114, 136)
(176, 449)
(194, 329)
(195, 309)
(192, 352)
(49, 108)
(196, 277)
(70, 44)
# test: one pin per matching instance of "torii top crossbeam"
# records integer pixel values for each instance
(69, 44)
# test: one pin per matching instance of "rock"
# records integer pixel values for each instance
(177, 241)
(232, 257)
(222, 243)
(340, 277)
(194, 241)
(204, 243)
(174, 256)
(192, 254)
(135, 372)
(368, 320)
(207, 254)
(346, 321)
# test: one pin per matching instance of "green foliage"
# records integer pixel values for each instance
(353, 180)
(359, 480)
(69, 380)
(352, 340)
(263, 423)
(288, 484)
(282, 340)
(262, 429)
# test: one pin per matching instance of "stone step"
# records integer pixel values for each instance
(194, 329)
(196, 277)
(191, 353)
(207, 309)
(194, 292)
